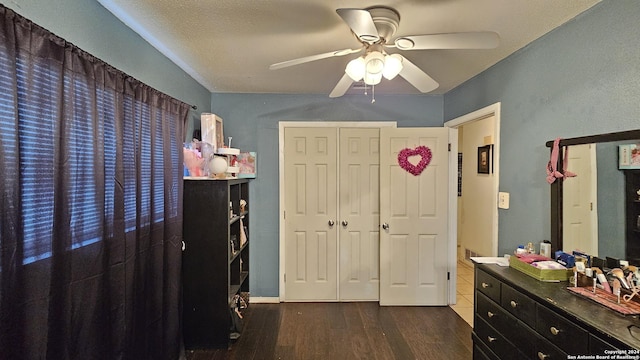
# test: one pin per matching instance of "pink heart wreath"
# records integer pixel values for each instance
(403, 159)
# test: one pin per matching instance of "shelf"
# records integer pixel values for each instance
(235, 288)
(228, 151)
(235, 254)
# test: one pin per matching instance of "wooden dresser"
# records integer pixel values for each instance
(519, 317)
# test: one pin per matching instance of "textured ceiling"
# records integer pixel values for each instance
(228, 45)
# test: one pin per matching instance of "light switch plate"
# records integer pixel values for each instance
(503, 200)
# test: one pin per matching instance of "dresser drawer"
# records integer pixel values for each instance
(544, 350)
(494, 314)
(562, 332)
(598, 346)
(495, 341)
(518, 304)
(488, 285)
(480, 351)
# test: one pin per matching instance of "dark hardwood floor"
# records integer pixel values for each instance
(338, 331)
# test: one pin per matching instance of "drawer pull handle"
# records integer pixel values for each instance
(542, 356)
(554, 331)
(514, 304)
(490, 314)
(485, 285)
(491, 339)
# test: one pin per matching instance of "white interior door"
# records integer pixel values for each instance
(414, 218)
(579, 208)
(310, 214)
(359, 214)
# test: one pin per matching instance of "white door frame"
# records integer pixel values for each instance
(490, 110)
(310, 124)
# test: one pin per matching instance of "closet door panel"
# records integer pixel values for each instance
(310, 208)
(359, 212)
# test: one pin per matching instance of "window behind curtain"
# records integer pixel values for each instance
(37, 108)
(91, 219)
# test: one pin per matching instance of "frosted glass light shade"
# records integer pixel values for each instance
(392, 66)
(374, 62)
(355, 69)
(372, 79)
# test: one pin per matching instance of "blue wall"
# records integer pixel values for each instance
(252, 121)
(580, 79)
(88, 25)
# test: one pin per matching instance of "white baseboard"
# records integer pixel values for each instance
(263, 300)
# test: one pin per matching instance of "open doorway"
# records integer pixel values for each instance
(477, 221)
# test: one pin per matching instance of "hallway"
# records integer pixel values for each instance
(464, 292)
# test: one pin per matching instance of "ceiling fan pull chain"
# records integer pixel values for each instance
(373, 94)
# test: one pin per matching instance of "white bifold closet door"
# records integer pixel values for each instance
(331, 214)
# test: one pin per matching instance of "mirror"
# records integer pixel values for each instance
(599, 184)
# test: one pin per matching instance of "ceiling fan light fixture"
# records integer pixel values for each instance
(355, 69)
(374, 63)
(372, 79)
(392, 66)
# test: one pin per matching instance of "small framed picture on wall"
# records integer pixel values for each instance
(219, 133)
(484, 159)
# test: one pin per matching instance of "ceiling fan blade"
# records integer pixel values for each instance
(361, 23)
(416, 77)
(342, 86)
(307, 59)
(467, 40)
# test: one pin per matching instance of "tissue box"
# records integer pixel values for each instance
(551, 275)
(565, 259)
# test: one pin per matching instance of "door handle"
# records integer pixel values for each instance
(331, 223)
(345, 223)
(385, 226)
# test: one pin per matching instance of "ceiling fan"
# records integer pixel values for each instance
(374, 28)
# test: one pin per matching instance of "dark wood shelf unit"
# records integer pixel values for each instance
(212, 272)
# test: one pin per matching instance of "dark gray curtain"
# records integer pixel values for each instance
(91, 205)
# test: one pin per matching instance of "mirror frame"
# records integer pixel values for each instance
(556, 186)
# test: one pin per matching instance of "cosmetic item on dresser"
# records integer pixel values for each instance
(545, 248)
(530, 248)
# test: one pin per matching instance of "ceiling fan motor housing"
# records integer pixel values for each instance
(386, 20)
